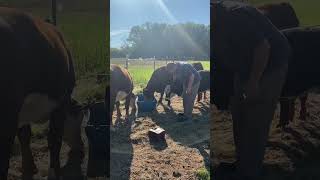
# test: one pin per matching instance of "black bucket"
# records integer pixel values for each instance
(98, 133)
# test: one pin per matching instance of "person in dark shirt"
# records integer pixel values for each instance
(190, 79)
(247, 45)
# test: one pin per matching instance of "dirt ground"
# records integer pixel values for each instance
(184, 151)
(39, 138)
(292, 154)
(40, 152)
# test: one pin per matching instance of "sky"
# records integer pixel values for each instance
(127, 13)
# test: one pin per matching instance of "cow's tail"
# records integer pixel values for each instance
(72, 76)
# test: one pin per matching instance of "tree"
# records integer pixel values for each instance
(164, 40)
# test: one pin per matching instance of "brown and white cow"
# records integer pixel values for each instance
(37, 77)
(121, 87)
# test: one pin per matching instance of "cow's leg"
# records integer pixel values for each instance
(127, 105)
(7, 133)
(161, 97)
(292, 109)
(286, 112)
(169, 100)
(118, 110)
(28, 166)
(112, 103)
(303, 109)
(199, 96)
(55, 141)
(107, 105)
(72, 136)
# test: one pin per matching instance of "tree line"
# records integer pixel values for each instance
(162, 40)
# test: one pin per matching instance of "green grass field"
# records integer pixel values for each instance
(141, 71)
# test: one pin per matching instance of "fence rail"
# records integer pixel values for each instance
(155, 63)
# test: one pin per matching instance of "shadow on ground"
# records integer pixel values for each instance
(121, 150)
(293, 154)
(194, 134)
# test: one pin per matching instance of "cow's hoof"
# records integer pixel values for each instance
(35, 170)
(52, 175)
(72, 173)
(56, 178)
(282, 126)
(73, 177)
(27, 177)
(303, 117)
(112, 129)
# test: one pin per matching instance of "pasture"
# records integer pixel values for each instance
(141, 70)
(185, 152)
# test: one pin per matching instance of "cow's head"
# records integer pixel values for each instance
(222, 87)
(148, 94)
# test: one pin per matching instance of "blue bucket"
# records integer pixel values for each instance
(146, 105)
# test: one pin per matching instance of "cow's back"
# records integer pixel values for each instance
(159, 79)
(198, 66)
(120, 79)
(303, 70)
(205, 80)
(282, 15)
(34, 56)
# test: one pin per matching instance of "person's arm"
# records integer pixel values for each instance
(190, 82)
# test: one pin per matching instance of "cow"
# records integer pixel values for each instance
(282, 15)
(302, 70)
(121, 87)
(204, 83)
(198, 66)
(158, 82)
(38, 78)
(176, 86)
